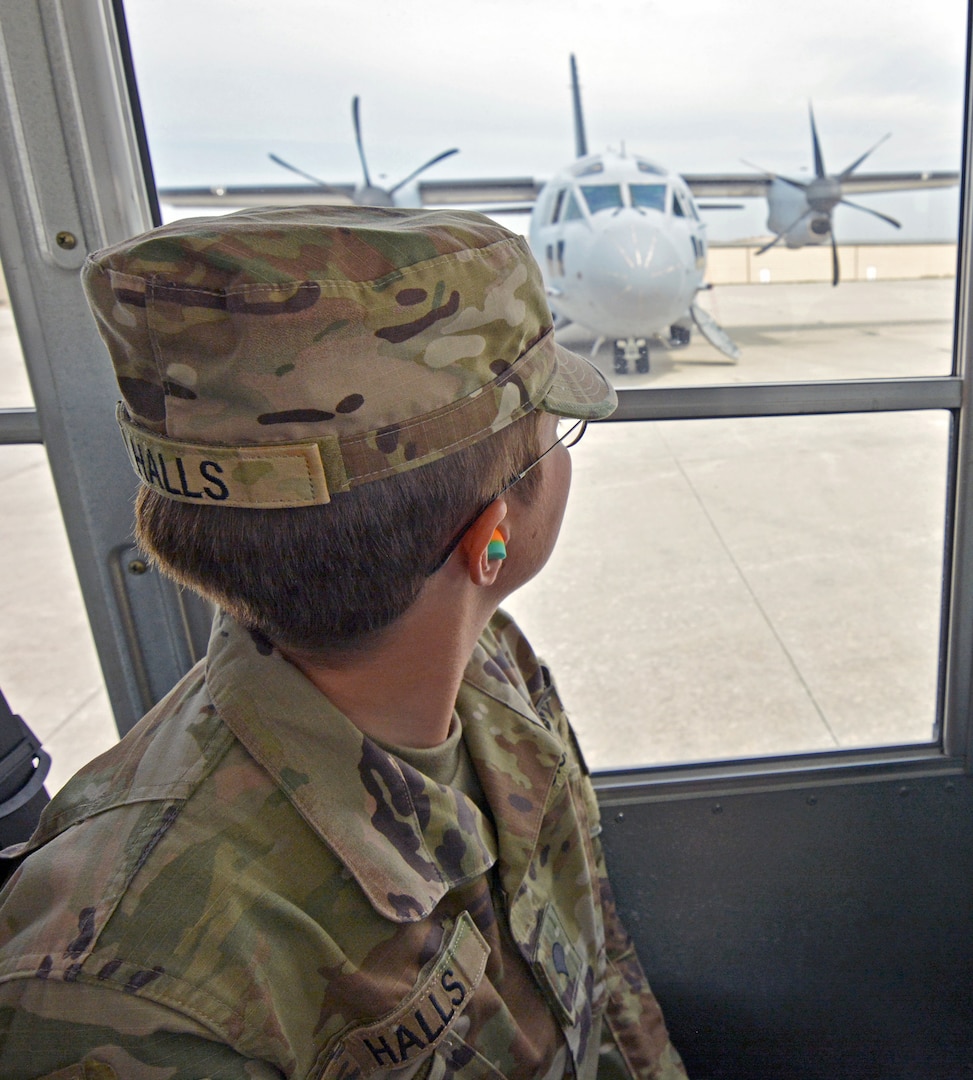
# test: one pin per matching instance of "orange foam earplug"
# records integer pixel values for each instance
(496, 549)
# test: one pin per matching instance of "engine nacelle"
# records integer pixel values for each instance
(810, 230)
(790, 217)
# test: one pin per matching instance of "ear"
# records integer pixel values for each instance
(476, 543)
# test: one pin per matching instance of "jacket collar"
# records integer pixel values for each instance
(406, 839)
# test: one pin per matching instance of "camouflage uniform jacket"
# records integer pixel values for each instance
(246, 886)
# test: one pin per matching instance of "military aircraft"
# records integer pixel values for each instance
(623, 251)
(626, 256)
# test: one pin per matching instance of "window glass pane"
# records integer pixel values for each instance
(49, 672)
(14, 386)
(745, 587)
(573, 211)
(228, 83)
(727, 605)
(602, 196)
(652, 196)
(558, 200)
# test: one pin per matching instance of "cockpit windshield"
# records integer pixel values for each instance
(602, 196)
(651, 196)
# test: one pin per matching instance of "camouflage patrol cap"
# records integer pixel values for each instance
(273, 357)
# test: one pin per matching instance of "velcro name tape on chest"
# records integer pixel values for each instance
(558, 966)
(419, 1024)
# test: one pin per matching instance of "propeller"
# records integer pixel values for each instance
(300, 172)
(823, 193)
(367, 194)
(780, 236)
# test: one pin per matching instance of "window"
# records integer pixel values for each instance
(558, 202)
(775, 588)
(754, 562)
(573, 211)
(602, 197)
(650, 196)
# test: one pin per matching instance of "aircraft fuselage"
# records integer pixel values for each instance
(621, 246)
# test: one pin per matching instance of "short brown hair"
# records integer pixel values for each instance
(326, 579)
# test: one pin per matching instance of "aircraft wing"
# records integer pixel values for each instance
(500, 195)
(237, 195)
(900, 181)
(516, 194)
(727, 185)
(519, 190)
(748, 185)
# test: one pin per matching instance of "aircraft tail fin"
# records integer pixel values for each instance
(580, 139)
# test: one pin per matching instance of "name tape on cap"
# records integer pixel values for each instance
(259, 477)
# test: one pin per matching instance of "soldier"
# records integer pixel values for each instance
(358, 838)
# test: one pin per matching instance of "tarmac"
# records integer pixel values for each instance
(721, 588)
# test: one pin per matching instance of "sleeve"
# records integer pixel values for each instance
(51, 1030)
(636, 1033)
(636, 1044)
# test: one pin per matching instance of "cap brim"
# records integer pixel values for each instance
(579, 389)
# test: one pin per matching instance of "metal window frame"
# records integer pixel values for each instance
(71, 182)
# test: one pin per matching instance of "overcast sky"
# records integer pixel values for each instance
(693, 84)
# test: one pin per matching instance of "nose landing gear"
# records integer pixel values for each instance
(631, 351)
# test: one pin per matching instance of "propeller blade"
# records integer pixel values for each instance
(300, 172)
(854, 165)
(794, 183)
(356, 120)
(767, 247)
(422, 168)
(800, 185)
(874, 213)
(782, 234)
(834, 260)
(759, 168)
(818, 157)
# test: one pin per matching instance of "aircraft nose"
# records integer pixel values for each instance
(636, 273)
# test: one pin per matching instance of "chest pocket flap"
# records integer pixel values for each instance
(413, 1030)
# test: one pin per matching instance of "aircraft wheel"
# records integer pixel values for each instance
(679, 336)
(621, 361)
(642, 363)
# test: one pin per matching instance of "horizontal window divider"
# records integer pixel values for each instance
(654, 783)
(788, 399)
(19, 426)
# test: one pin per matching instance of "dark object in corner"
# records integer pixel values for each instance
(23, 769)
